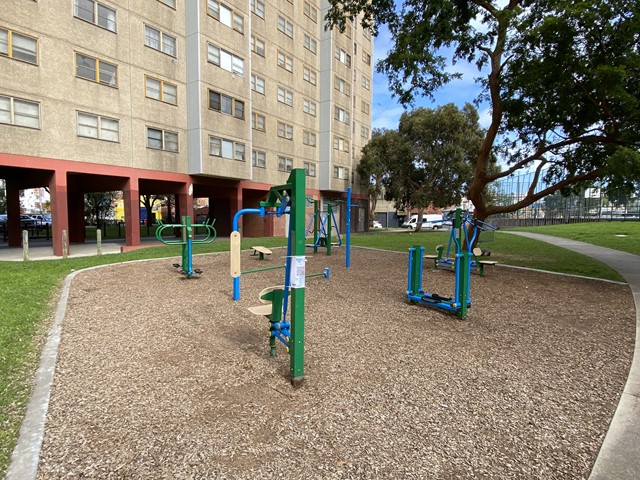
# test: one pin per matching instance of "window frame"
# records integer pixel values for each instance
(163, 139)
(285, 96)
(255, 124)
(12, 112)
(285, 131)
(232, 101)
(287, 163)
(255, 8)
(11, 44)
(309, 138)
(224, 57)
(286, 27)
(258, 81)
(285, 61)
(309, 107)
(310, 43)
(226, 144)
(309, 75)
(96, 15)
(161, 42)
(97, 69)
(161, 88)
(310, 172)
(99, 128)
(255, 160)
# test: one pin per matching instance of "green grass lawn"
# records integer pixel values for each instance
(30, 290)
(624, 236)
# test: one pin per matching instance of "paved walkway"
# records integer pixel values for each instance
(619, 457)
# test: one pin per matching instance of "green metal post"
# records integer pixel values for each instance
(297, 216)
(328, 227)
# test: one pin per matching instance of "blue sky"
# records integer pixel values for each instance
(386, 110)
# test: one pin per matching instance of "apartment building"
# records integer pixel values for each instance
(192, 98)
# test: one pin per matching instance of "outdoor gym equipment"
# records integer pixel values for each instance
(323, 227)
(461, 264)
(444, 259)
(187, 241)
(284, 199)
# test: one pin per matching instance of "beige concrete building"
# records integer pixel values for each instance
(193, 98)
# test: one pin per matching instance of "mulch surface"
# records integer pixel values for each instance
(159, 376)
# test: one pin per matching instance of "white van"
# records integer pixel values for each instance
(431, 221)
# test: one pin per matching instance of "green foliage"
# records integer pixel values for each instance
(562, 78)
(427, 161)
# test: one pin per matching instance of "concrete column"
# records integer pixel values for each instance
(184, 202)
(131, 193)
(59, 209)
(13, 214)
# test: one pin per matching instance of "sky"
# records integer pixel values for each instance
(386, 110)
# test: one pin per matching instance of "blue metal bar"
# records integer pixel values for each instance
(260, 211)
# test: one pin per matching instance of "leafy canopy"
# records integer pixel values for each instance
(562, 78)
(427, 161)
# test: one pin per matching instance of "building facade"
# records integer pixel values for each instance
(192, 98)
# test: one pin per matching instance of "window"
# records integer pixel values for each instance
(96, 70)
(366, 57)
(160, 90)
(19, 112)
(342, 86)
(95, 126)
(285, 26)
(341, 144)
(310, 44)
(285, 96)
(366, 82)
(222, 147)
(311, 12)
(226, 104)
(258, 122)
(96, 13)
(367, 33)
(170, 3)
(343, 56)
(310, 169)
(341, 173)
(309, 107)
(225, 60)
(365, 107)
(159, 40)
(364, 132)
(285, 130)
(257, 46)
(162, 139)
(259, 159)
(309, 138)
(225, 15)
(285, 61)
(341, 115)
(257, 7)
(17, 46)
(285, 164)
(257, 84)
(309, 75)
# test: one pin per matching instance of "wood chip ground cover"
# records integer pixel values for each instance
(159, 376)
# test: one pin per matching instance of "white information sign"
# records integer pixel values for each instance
(297, 272)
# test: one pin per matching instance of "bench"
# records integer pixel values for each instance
(260, 251)
(477, 254)
(436, 258)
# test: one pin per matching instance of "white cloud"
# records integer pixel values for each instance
(388, 118)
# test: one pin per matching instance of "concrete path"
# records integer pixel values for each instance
(619, 457)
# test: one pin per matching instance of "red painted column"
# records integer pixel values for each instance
(59, 209)
(13, 215)
(184, 202)
(132, 212)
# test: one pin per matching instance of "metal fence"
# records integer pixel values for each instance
(590, 205)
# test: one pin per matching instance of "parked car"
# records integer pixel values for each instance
(42, 220)
(3, 219)
(26, 221)
(432, 221)
(376, 224)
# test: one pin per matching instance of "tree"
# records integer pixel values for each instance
(562, 78)
(97, 205)
(149, 201)
(427, 162)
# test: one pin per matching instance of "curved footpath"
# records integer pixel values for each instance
(619, 457)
